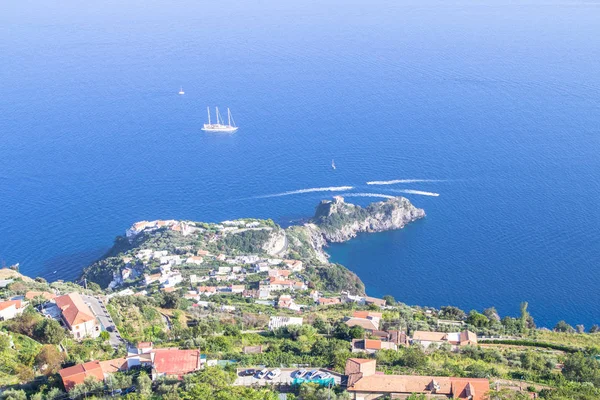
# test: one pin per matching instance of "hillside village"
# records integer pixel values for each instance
(176, 304)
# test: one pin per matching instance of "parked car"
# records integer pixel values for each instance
(311, 373)
(261, 374)
(247, 372)
(300, 373)
(116, 392)
(110, 328)
(130, 389)
(274, 374)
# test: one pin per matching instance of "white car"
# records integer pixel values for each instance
(300, 373)
(274, 374)
(311, 373)
(261, 374)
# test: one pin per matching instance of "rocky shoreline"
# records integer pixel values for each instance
(336, 221)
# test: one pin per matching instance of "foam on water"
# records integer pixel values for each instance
(395, 181)
(310, 190)
(420, 192)
(380, 195)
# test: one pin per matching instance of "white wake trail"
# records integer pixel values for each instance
(420, 192)
(310, 190)
(395, 181)
(381, 195)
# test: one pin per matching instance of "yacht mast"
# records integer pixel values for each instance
(208, 111)
(217, 111)
(228, 117)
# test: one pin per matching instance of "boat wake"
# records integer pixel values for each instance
(380, 195)
(310, 190)
(420, 192)
(395, 181)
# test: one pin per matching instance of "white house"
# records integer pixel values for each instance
(159, 253)
(197, 260)
(172, 280)
(11, 308)
(262, 267)
(294, 265)
(77, 316)
(280, 322)
(126, 273)
(144, 254)
(223, 271)
(171, 260)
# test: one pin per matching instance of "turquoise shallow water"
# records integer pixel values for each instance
(499, 101)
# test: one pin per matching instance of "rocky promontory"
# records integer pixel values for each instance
(340, 221)
(336, 221)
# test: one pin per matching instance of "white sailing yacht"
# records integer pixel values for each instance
(181, 90)
(220, 126)
(332, 164)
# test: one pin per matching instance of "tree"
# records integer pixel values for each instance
(594, 329)
(357, 332)
(4, 342)
(580, 368)
(13, 394)
(507, 394)
(54, 393)
(524, 316)
(580, 328)
(49, 359)
(414, 357)
(492, 314)
(562, 326)
(342, 331)
(90, 385)
(231, 330)
(451, 312)
(49, 331)
(320, 325)
(477, 319)
(24, 372)
(533, 361)
(144, 384)
(389, 299)
(416, 396)
(170, 300)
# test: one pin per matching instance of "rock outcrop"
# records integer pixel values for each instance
(337, 221)
(340, 221)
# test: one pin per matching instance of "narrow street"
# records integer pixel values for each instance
(102, 315)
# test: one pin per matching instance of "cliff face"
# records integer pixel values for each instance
(339, 221)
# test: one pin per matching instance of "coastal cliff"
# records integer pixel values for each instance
(336, 221)
(340, 221)
(148, 245)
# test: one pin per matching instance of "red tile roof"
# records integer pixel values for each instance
(366, 314)
(76, 374)
(373, 382)
(176, 362)
(46, 295)
(372, 344)
(6, 304)
(114, 365)
(73, 309)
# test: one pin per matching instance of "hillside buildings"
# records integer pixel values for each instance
(77, 316)
(365, 383)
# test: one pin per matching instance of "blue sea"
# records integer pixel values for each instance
(493, 105)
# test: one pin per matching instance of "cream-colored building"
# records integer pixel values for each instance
(77, 316)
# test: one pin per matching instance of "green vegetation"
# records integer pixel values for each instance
(247, 242)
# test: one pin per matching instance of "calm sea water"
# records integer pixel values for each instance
(498, 101)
